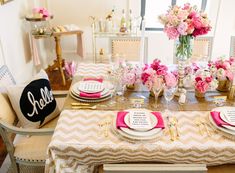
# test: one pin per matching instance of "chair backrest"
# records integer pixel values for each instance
(232, 46)
(7, 114)
(128, 48)
(202, 49)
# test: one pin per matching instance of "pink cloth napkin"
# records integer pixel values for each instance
(95, 79)
(216, 117)
(121, 123)
(90, 95)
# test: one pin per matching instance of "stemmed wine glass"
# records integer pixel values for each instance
(157, 88)
(169, 93)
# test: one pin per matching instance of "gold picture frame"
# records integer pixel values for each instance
(2, 2)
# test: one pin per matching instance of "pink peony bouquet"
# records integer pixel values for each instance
(184, 23)
(131, 74)
(186, 20)
(221, 68)
(43, 12)
(155, 70)
(204, 81)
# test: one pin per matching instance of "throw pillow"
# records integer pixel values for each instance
(34, 103)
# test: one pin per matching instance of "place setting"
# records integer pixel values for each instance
(91, 90)
(138, 124)
(222, 119)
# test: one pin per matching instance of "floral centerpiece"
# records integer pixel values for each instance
(131, 75)
(184, 23)
(221, 69)
(203, 82)
(154, 71)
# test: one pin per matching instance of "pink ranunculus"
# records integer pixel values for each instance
(190, 28)
(170, 80)
(172, 32)
(198, 78)
(195, 67)
(232, 60)
(162, 70)
(208, 79)
(229, 75)
(197, 23)
(144, 77)
(226, 65)
(202, 86)
(182, 28)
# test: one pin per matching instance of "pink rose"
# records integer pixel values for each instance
(171, 32)
(186, 6)
(201, 31)
(208, 79)
(197, 79)
(202, 86)
(144, 77)
(162, 70)
(170, 80)
(197, 22)
(156, 63)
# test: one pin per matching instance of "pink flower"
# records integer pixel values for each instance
(231, 60)
(197, 22)
(70, 68)
(202, 86)
(186, 6)
(172, 32)
(156, 63)
(208, 79)
(201, 31)
(162, 70)
(187, 70)
(170, 80)
(198, 78)
(182, 28)
(229, 75)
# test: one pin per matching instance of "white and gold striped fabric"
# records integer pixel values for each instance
(96, 70)
(84, 139)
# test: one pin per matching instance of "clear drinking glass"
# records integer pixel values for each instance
(169, 93)
(157, 88)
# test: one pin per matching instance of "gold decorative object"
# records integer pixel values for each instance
(199, 94)
(152, 93)
(224, 85)
(131, 87)
(84, 107)
(231, 93)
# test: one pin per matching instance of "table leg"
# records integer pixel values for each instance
(59, 58)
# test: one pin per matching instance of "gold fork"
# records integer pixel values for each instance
(84, 107)
(203, 121)
(175, 123)
(199, 124)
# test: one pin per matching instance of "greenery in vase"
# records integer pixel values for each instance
(184, 47)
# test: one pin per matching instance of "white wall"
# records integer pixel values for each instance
(14, 39)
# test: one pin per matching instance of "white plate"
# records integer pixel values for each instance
(228, 116)
(88, 100)
(90, 86)
(142, 137)
(76, 92)
(223, 129)
(153, 120)
(223, 114)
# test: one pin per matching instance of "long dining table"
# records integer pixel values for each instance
(84, 139)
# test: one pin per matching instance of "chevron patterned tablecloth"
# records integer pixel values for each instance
(84, 139)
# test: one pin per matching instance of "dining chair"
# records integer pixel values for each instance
(128, 48)
(26, 147)
(202, 49)
(153, 168)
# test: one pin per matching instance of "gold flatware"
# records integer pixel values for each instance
(175, 123)
(171, 129)
(84, 107)
(80, 104)
(199, 124)
(203, 121)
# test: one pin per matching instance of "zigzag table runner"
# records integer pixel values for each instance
(83, 139)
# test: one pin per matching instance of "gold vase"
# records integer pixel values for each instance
(223, 85)
(199, 94)
(130, 87)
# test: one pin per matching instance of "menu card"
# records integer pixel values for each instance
(230, 115)
(140, 120)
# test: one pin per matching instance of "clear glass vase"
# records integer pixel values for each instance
(184, 47)
(183, 52)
